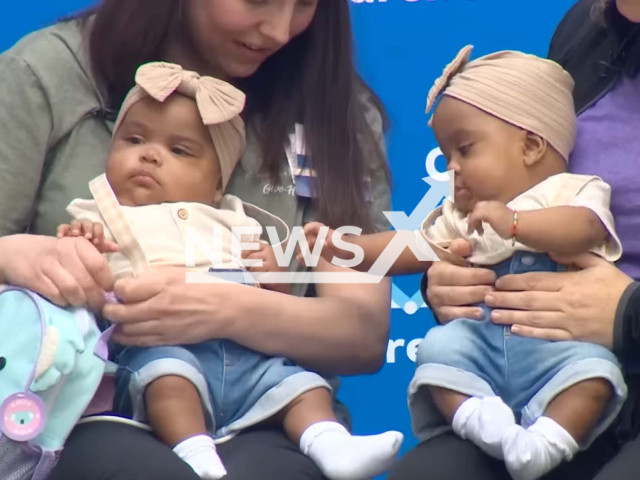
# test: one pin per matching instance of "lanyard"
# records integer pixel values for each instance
(302, 175)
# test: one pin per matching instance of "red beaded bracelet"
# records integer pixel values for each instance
(514, 228)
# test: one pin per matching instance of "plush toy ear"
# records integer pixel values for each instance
(48, 351)
(58, 355)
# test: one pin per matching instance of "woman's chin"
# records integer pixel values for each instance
(241, 70)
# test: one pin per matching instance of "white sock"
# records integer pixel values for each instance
(484, 421)
(531, 453)
(342, 456)
(200, 453)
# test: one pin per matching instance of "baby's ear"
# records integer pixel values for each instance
(219, 193)
(534, 148)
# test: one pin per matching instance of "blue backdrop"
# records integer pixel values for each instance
(402, 46)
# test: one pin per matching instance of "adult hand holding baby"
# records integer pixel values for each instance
(160, 308)
(576, 305)
(67, 271)
(452, 289)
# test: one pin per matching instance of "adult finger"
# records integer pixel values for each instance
(457, 296)
(135, 290)
(442, 273)
(93, 273)
(83, 259)
(146, 328)
(540, 281)
(446, 314)
(70, 290)
(151, 339)
(129, 313)
(109, 246)
(98, 231)
(551, 334)
(48, 289)
(526, 300)
(534, 319)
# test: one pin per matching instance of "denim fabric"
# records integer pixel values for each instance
(479, 358)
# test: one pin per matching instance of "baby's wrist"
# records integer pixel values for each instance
(504, 223)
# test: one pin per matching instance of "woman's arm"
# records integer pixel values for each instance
(342, 331)
(25, 128)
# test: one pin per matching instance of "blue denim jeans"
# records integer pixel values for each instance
(479, 358)
(238, 387)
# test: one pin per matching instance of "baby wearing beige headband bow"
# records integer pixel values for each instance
(176, 142)
(506, 126)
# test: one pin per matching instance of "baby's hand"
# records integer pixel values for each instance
(461, 247)
(92, 231)
(329, 250)
(495, 214)
(269, 264)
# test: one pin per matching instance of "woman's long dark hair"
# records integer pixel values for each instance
(598, 10)
(312, 80)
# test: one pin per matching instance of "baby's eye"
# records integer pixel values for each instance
(180, 151)
(134, 140)
(465, 149)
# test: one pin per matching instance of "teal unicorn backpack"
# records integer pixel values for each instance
(52, 361)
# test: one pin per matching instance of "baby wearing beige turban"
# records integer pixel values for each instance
(506, 126)
(176, 142)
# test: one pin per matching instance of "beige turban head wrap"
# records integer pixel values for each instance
(524, 90)
(219, 104)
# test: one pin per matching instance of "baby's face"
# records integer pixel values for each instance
(485, 153)
(163, 153)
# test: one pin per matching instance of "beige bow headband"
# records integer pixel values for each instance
(219, 104)
(524, 90)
